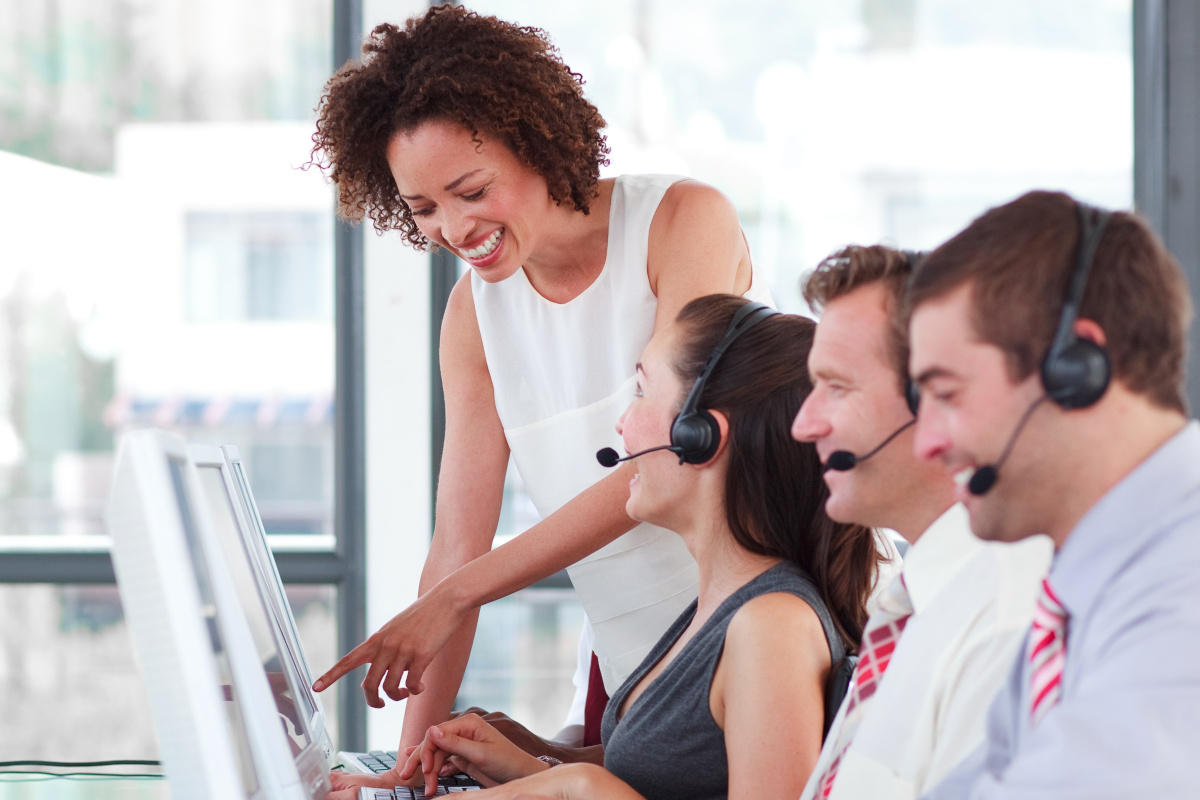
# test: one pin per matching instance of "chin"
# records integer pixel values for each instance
(493, 273)
(990, 523)
(840, 508)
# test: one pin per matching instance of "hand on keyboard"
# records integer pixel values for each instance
(346, 785)
(468, 744)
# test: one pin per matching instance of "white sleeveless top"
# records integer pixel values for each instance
(563, 374)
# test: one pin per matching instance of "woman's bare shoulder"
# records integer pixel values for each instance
(777, 620)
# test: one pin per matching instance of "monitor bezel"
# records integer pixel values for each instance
(159, 591)
(314, 761)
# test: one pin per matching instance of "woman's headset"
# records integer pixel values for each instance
(695, 434)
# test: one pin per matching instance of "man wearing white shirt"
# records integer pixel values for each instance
(1048, 341)
(961, 609)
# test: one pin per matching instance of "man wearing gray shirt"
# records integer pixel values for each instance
(1048, 342)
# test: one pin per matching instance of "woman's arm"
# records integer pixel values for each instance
(461, 573)
(768, 696)
(566, 782)
(696, 248)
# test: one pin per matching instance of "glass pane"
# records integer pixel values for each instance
(524, 657)
(68, 649)
(856, 121)
(191, 285)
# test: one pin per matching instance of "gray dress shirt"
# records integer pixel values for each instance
(1128, 721)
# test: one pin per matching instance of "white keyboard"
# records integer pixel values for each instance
(409, 793)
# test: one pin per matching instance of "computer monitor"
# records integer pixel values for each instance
(272, 587)
(256, 578)
(218, 728)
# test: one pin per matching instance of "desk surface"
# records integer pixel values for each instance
(93, 789)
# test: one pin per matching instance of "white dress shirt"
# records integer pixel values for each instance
(972, 606)
(1127, 723)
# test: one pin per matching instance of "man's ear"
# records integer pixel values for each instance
(1090, 329)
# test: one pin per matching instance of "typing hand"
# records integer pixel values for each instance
(346, 784)
(405, 644)
(468, 744)
(566, 782)
(515, 732)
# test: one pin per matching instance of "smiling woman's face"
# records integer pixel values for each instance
(471, 195)
(660, 484)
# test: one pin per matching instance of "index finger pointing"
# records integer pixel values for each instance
(351, 661)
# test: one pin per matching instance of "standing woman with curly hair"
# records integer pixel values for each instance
(469, 133)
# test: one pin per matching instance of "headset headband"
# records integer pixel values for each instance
(1092, 221)
(743, 320)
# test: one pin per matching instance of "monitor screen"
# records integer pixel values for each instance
(271, 585)
(292, 701)
(208, 605)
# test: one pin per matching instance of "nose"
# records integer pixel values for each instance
(620, 426)
(456, 226)
(931, 439)
(810, 423)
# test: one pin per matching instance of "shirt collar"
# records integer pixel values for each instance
(1117, 526)
(944, 548)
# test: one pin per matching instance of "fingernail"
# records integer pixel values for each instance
(318, 686)
(436, 732)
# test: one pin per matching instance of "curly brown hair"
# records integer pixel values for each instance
(479, 72)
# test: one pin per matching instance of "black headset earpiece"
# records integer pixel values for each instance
(695, 432)
(1076, 371)
(912, 392)
(912, 395)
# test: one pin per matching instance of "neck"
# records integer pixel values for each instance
(724, 566)
(1100, 460)
(572, 249)
(928, 503)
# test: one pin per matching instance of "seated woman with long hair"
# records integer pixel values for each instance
(730, 703)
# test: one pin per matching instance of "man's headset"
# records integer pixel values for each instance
(695, 434)
(1075, 371)
(842, 460)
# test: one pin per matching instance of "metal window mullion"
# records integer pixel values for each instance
(350, 426)
(1166, 163)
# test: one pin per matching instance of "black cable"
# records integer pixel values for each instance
(45, 776)
(68, 764)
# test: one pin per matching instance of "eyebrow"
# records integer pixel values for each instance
(932, 373)
(449, 187)
(828, 372)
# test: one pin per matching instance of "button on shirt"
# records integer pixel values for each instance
(1127, 724)
(972, 606)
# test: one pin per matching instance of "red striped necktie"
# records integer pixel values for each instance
(879, 641)
(1047, 653)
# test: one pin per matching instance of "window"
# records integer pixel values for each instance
(259, 266)
(165, 263)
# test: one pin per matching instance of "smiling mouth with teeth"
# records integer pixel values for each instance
(488, 246)
(963, 476)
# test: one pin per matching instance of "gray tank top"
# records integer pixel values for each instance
(668, 746)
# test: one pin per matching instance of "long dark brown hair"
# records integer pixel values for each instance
(774, 492)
